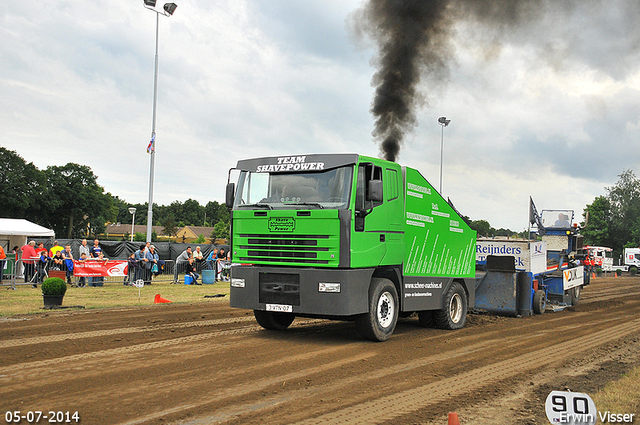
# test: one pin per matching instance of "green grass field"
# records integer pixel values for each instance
(26, 300)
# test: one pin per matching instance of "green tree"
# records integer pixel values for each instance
(23, 188)
(75, 200)
(625, 210)
(220, 230)
(597, 221)
(169, 226)
(482, 227)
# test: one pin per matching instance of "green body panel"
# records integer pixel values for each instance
(385, 221)
(282, 237)
(438, 241)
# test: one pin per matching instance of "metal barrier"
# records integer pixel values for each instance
(34, 274)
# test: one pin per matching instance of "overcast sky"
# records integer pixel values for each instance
(548, 109)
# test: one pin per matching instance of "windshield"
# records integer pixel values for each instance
(325, 189)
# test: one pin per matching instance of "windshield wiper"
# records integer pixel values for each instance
(307, 203)
(268, 206)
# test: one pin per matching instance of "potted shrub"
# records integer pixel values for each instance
(633, 271)
(599, 272)
(53, 290)
(618, 272)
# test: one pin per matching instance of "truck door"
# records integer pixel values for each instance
(377, 222)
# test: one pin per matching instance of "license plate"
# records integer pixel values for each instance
(280, 307)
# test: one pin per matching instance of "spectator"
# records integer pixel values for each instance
(99, 280)
(131, 270)
(41, 267)
(3, 261)
(58, 261)
(28, 258)
(198, 257)
(221, 258)
(68, 261)
(211, 259)
(55, 248)
(186, 254)
(82, 280)
(191, 271)
(146, 247)
(96, 249)
(84, 248)
(41, 248)
(139, 256)
(152, 262)
(180, 261)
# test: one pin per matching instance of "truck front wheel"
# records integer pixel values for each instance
(454, 309)
(380, 322)
(273, 320)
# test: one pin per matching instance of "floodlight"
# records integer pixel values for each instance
(444, 121)
(150, 3)
(170, 8)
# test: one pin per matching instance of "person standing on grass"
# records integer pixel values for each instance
(151, 260)
(84, 248)
(68, 261)
(55, 248)
(28, 257)
(96, 249)
(3, 261)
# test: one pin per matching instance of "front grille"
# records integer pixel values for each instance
(279, 288)
(299, 249)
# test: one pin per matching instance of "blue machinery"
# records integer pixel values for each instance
(507, 285)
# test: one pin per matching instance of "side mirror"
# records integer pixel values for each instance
(375, 191)
(230, 195)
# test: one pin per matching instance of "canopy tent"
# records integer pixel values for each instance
(22, 227)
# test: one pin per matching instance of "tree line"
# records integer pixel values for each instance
(69, 200)
(613, 220)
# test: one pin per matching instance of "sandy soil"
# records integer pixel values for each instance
(205, 363)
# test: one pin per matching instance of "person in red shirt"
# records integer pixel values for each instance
(41, 248)
(3, 261)
(28, 259)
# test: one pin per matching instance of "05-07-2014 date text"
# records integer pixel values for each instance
(37, 416)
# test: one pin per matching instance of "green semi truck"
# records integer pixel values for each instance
(347, 237)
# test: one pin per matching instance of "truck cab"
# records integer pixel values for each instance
(327, 236)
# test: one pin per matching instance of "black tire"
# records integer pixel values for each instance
(539, 301)
(575, 294)
(426, 319)
(380, 322)
(273, 320)
(454, 309)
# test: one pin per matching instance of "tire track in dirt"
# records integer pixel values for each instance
(387, 408)
(106, 332)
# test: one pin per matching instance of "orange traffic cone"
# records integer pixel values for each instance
(158, 300)
(593, 276)
(453, 419)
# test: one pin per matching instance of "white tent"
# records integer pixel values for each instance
(22, 227)
(15, 232)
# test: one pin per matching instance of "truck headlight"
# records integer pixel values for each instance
(328, 287)
(237, 282)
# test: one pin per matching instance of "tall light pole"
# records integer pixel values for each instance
(169, 8)
(443, 121)
(132, 211)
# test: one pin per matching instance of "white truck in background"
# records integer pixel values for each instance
(632, 257)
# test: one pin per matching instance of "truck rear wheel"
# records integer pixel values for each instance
(273, 320)
(454, 309)
(380, 322)
(539, 301)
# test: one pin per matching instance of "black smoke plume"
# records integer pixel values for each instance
(413, 42)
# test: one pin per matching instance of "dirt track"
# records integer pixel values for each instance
(206, 363)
